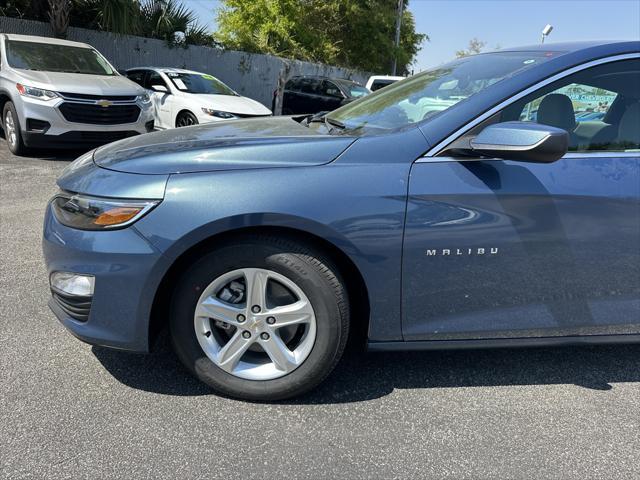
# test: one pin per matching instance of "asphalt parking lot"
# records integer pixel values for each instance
(69, 410)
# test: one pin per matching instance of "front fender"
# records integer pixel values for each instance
(359, 208)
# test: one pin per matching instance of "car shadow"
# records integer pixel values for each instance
(61, 155)
(367, 376)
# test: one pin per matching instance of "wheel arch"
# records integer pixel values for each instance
(4, 98)
(180, 112)
(355, 284)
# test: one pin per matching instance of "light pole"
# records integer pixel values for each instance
(397, 42)
(546, 31)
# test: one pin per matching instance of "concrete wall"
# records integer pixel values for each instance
(252, 75)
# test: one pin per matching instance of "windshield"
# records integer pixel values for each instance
(56, 58)
(428, 93)
(354, 90)
(199, 83)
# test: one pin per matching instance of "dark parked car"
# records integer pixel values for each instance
(423, 216)
(319, 94)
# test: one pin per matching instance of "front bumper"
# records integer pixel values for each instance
(53, 130)
(123, 264)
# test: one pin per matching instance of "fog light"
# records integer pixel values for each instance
(73, 283)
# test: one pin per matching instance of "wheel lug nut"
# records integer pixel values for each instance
(271, 320)
(255, 309)
(264, 336)
(241, 318)
(246, 334)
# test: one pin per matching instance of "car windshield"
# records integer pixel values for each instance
(430, 92)
(56, 58)
(354, 90)
(199, 83)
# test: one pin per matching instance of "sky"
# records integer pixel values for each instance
(450, 24)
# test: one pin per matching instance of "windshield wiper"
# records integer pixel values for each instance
(334, 123)
(316, 117)
(329, 123)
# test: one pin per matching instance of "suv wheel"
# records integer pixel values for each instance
(260, 318)
(11, 127)
(186, 119)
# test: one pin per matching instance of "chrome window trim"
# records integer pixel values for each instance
(568, 155)
(481, 118)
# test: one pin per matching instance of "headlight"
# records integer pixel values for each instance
(92, 213)
(144, 98)
(218, 113)
(34, 92)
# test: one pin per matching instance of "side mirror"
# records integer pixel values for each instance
(159, 88)
(521, 141)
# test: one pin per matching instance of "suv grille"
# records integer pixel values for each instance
(84, 96)
(97, 115)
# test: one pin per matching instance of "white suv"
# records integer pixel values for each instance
(60, 93)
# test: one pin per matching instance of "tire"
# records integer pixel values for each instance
(11, 127)
(186, 119)
(290, 263)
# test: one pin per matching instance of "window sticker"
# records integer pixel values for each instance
(180, 84)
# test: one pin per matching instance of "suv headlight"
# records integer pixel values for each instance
(218, 113)
(93, 213)
(144, 98)
(34, 92)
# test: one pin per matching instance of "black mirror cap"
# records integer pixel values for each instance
(522, 141)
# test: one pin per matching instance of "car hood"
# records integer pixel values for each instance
(238, 144)
(233, 104)
(80, 83)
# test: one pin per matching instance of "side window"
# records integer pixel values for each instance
(154, 78)
(599, 107)
(136, 76)
(589, 103)
(330, 89)
(292, 84)
(308, 85)
(378, 84)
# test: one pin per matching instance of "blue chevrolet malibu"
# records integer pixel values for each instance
(467, 206)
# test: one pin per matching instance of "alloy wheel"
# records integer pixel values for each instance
(186, 121)
(10, 129)
(255, 324)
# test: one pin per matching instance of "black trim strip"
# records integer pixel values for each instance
(503, 343)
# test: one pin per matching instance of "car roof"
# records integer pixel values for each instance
(386, 77)
(47, 40)
(166, 70)
(566, 47)
(323, 77)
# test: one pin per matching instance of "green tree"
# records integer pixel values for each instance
(475, 47)
(162, 19)
(59, 16)
(349, 33)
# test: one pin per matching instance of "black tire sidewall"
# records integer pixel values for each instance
(187, 114)
(331, 331)
(19, 146)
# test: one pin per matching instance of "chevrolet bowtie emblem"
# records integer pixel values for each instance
(104, 103)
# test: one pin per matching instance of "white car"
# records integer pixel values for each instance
(184, 97)
(376, 82)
